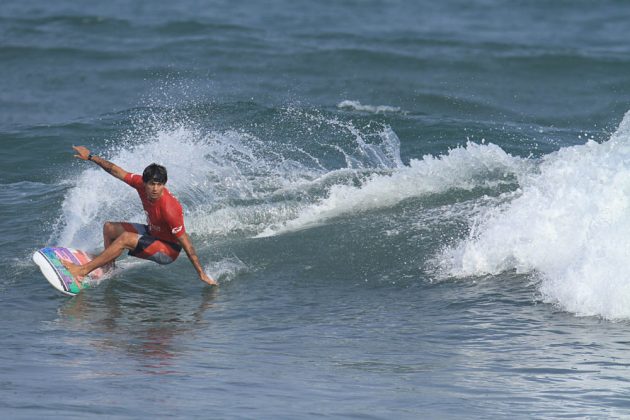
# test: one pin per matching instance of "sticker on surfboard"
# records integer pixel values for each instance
(49, 262)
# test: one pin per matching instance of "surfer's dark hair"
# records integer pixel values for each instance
(154, 172)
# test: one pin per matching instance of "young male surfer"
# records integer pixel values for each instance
(161, 240)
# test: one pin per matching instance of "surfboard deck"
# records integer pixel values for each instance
(49, 262)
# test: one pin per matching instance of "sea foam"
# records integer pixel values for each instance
(375, 109)
(569, 224)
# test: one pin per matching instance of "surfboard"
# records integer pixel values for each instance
(49, 262)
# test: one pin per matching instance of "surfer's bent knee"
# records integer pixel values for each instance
(128, 240)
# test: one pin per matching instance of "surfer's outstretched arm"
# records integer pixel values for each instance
(109, 167)
(186, 243)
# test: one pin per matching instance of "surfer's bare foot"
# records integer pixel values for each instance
(75, 270)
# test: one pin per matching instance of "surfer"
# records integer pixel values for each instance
(160, 240)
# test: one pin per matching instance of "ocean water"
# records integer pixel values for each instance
(414, 209)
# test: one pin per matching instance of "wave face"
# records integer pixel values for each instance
(249, 182)
(569, 222)
(562, 217)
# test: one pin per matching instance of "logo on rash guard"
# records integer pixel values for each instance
(176, 230)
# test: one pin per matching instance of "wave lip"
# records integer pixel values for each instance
(570, 225)
(466, 168)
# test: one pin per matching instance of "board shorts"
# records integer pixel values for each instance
(151, 248)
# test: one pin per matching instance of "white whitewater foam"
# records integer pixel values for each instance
(570, 224)
(357, 106)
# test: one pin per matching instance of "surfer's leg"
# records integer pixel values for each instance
(111, 231)
(127, 240)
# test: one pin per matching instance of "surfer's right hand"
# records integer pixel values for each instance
(83, 152)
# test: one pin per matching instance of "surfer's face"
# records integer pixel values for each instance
(153, 189)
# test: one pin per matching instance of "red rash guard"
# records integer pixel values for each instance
(165, 217)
